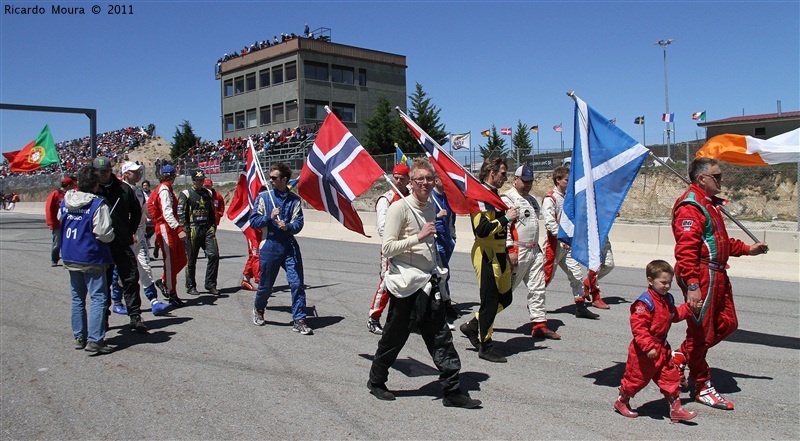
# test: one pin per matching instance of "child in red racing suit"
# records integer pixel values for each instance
(649, 354)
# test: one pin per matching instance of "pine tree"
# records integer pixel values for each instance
(521, 143)
(495, 146)
(183, 140)
(381, 128)
(426, 115)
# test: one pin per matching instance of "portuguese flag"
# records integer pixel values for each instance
(37, 154)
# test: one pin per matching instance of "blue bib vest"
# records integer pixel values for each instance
(78, 244)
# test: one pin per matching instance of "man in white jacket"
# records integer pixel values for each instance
(415, 302)
(524, 252)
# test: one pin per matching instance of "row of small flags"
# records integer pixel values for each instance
(666, 117)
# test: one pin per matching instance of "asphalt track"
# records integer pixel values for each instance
(206, 372)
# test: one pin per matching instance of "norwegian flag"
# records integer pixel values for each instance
(505, 131)
(464, 193)
(337, 170)
(251, 182)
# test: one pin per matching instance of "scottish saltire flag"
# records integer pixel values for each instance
(605, 161)
(668, 117)
(337, 170)
(464, 193)
(400, 157)
(251, 182)
(460, 141)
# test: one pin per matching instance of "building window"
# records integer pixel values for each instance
(362, 77)
(291, 71)
(760, 131)
(228, 88)
(228, 122)
(277, 74)
(345, 112)
(266, 116)
(239, 120)
(263, 78)
(238, 85)
(315, 71)
(291, 111)
(277, 113)
(341, 74)
(252, 119)
(250, 82)
(314, 110)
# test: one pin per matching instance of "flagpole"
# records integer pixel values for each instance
(261, 172)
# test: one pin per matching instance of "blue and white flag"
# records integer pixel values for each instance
(605, 161)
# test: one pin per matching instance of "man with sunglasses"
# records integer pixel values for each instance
(491, 263)
(279, 215)
(702, 248)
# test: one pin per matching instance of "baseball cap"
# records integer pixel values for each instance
(208, 182)
(401, 169)
(68, 181)
(198, 175)
(168, 169)
(102, 163)
(525, 173)
(130, 166)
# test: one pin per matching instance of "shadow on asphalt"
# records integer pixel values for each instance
(126, 338)
(760, 338)
(724, 381)
(659, 410)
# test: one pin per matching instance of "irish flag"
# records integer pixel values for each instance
(746, 150)
(37, 154)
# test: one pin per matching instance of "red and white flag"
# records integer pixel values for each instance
(251, 182)
(557, 128)
(464, 193)
(505, 131)
(337, 170)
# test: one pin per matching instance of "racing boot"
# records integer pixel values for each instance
(470, 330)
(622, 405)
(581, 311)
(591, 292)
(677, 413)
(706, 394)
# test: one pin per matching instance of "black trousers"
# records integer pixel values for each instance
(204, 237)
(128, 272)
(434, 332)
(492, 300)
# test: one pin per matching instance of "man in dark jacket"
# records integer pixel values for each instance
(126, 213)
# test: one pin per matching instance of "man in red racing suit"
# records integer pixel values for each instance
(702, 248)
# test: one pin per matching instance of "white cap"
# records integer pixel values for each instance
(130, 166)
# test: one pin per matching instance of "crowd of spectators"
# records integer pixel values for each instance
(76, 153)
(263, 44)
(234, 149)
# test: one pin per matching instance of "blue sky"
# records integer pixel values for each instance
(482, 63)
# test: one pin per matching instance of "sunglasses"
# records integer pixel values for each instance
(274, 178)
(717, 176)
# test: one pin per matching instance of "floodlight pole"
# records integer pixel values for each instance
(664, 44)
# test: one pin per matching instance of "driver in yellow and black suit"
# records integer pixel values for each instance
(196, 215)
(491, 264)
